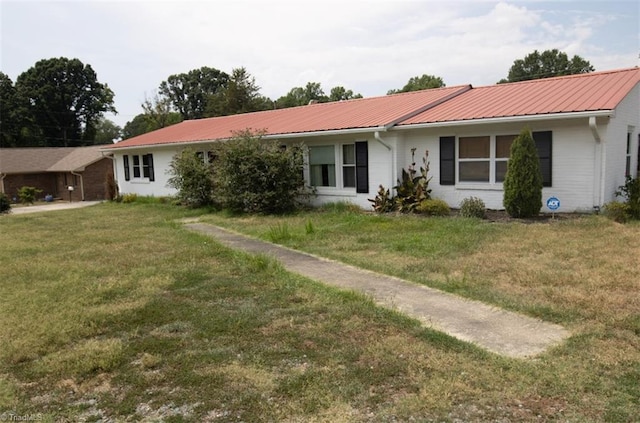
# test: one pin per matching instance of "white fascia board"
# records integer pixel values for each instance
(266, 137)
(509, 119)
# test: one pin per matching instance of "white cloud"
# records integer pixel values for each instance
(367, 46)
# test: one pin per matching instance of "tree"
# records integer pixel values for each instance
(417, 83)
(523, 181)
(106, 132)
(339, 93)
(547, 64)
(158, 112)
(240, 95)
(301, 96)
(189, 92)
(9, 121)
(63, 100)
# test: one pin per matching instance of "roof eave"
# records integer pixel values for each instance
(509, 119)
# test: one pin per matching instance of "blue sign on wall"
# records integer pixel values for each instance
(553, 203)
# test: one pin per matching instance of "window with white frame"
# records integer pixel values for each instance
(333, 166)
(349, 166)
(627, 169)
(142, 167)
(483, 159)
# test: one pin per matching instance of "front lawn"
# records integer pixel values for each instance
(116, 312)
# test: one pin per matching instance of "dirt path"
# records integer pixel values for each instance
(500, 331)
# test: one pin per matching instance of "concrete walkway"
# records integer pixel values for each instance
(502, 332)
(59, 205)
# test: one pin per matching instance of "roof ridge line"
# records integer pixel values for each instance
(463, 89)
(575, 75)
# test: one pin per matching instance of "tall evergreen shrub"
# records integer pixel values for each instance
(523, 181)
(192, 178)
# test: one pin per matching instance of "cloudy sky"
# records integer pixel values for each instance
(367, 46)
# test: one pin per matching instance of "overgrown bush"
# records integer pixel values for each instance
(110, 186)
(473, 207)
(382, 203)
(631, 192)
(616, 211)
(413, 188)
(5, 203)
(523, 181)
(434, 207)
(192, 178)
(258, 176)
(27, 195)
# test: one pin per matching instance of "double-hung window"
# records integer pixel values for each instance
(142, 167)
(483, 159)
(340, 166)
(322, 166)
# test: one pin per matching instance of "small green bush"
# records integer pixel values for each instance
(192, 178)
(129, 198)
(434, 207)
(523, 181)
(631, 192)
(616, 211)
(5, 203)
(473, 207)
(28, 195)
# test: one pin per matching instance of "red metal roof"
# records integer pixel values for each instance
(341, 115)
(576, 93)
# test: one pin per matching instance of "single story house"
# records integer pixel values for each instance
(54, 169)
(585, 126)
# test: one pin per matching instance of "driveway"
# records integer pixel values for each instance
(59, 205)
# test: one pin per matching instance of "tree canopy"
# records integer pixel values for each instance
(60, 102)
(9, 122)
(313, 92)
(417, 83)
(189, 93)
(106, 131)
(547, 64)
(241, 94)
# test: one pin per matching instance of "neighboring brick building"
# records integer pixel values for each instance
(53, 170)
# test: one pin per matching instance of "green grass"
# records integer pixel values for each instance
(117, 311)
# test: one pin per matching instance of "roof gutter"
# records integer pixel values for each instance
(509, 119)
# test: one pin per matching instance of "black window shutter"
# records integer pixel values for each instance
(152, 176)
(127, 175)
(447, 160)
(362, 167)
(543, 145)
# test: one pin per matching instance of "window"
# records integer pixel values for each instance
(142, 167)
(322, 166)
(627, 168)
(349, 166)
(484, 159)
(353, 163)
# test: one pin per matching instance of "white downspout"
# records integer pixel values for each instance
(81, 184)
(599, 164)
(378, 138)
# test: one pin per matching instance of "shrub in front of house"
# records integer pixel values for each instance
(523, 181)
(129, 198)
(616, 211)
(27, 195)
(631, 192)
(5, 203)
(192, 178)
(383, 202)
(473, 207)
(254, 175)
(413, 187)
(433, 207)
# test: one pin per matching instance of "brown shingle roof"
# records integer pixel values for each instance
(48, 159)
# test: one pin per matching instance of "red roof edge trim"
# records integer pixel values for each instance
(463, 89)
